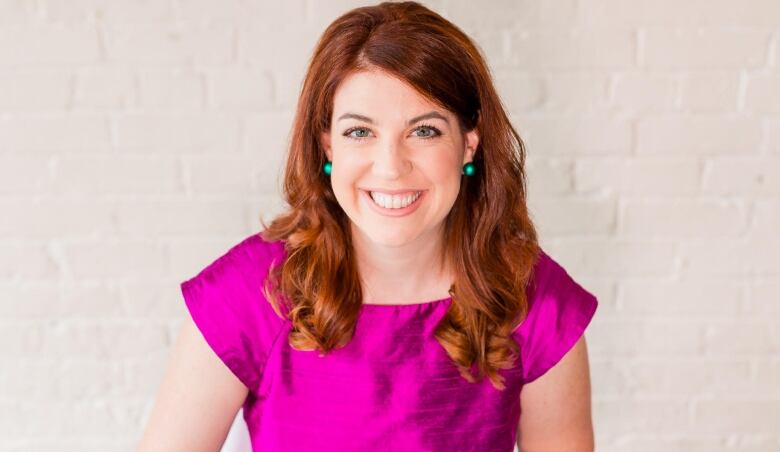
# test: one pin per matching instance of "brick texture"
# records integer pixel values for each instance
(140, 139)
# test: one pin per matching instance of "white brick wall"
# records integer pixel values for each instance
(140, 139)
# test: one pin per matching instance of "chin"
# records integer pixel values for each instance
(391, 242)
(387, 237)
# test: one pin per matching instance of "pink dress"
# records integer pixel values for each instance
(393, 387)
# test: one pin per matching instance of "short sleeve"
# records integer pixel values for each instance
(559, 311)
(226, 303)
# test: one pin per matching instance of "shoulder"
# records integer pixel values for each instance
(253, 252)
(244, 263)
(550, 279)
(549, 274)
(227, 304)
(559, 311)
(234, 282)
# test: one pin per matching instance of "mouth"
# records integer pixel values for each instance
(394, 206)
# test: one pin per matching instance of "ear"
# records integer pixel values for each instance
(471, 143)
(325, 144)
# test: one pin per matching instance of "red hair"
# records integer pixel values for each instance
(489, 239)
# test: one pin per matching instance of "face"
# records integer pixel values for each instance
(382, 139)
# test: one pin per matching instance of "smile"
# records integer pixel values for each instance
(394, 206)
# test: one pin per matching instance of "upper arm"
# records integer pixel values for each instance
(197, 401)
(556, 407)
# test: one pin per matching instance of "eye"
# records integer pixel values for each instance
(348, 133)
(436, 132)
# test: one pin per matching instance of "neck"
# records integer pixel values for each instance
(406, 273)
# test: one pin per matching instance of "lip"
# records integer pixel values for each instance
(393, 212)
(392, 192)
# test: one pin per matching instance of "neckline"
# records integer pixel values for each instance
(408, 305)
(282, 243)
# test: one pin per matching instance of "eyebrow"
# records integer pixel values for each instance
(432, 114)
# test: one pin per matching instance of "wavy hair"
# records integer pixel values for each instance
(489, 239)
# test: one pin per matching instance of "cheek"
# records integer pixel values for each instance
(443, 172)
(344, 180)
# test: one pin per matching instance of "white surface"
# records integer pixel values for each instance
(238, 437)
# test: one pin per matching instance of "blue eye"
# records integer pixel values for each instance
(436, 132)
(355, 129)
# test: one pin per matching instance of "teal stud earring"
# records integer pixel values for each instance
(327, 167)
(468, 169)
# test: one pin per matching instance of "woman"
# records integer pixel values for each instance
(403, 301)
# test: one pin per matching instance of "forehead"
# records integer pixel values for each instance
(379, 95)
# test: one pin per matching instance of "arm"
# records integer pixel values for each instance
(556, 407)
(197, 401)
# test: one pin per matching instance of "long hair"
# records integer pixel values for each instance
(489, 239)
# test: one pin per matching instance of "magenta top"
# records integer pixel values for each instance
(393, 387)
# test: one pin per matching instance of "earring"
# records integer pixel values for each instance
(468, 169)
(327, 167)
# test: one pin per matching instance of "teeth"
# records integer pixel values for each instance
(394, 201)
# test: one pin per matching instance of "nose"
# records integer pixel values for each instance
(391, 161)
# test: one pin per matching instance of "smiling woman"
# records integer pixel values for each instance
(394, 160)
(403, 301)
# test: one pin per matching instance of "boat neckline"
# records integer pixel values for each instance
(408, 305)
